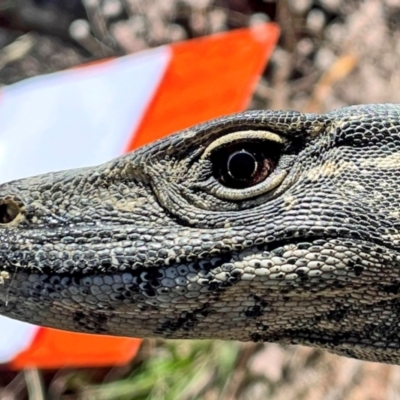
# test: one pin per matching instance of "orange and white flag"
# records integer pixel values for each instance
(90, 114)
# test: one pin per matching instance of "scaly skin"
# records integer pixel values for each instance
(153, 244)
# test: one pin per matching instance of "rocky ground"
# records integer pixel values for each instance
(331, 53)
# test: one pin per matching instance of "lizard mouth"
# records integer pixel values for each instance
(206, 261)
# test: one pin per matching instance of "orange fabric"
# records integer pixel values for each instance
(207, 78)
(54, 349)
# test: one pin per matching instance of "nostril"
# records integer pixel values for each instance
(9, 210)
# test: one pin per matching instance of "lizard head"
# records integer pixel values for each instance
(263, 226)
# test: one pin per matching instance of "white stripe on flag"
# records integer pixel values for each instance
(15, 337)
(76, 118)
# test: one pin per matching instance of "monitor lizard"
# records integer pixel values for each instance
(270, 226)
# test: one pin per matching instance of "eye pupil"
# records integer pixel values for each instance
(241, 165)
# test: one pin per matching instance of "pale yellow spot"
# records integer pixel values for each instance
(329, 169)
(4, 275)
(189, 134)
(131, 205)
(289, 202)
(388, 162)
(227, 225)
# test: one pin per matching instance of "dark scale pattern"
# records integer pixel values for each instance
(152, 244)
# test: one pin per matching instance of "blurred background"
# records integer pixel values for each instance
(331, 53)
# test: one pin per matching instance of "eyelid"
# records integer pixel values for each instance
(224, 193)
(240, 136)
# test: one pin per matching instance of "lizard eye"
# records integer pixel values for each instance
(244, 164)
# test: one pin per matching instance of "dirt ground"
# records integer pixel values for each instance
(331, 53)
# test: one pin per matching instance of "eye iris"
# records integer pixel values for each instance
(241, 165)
